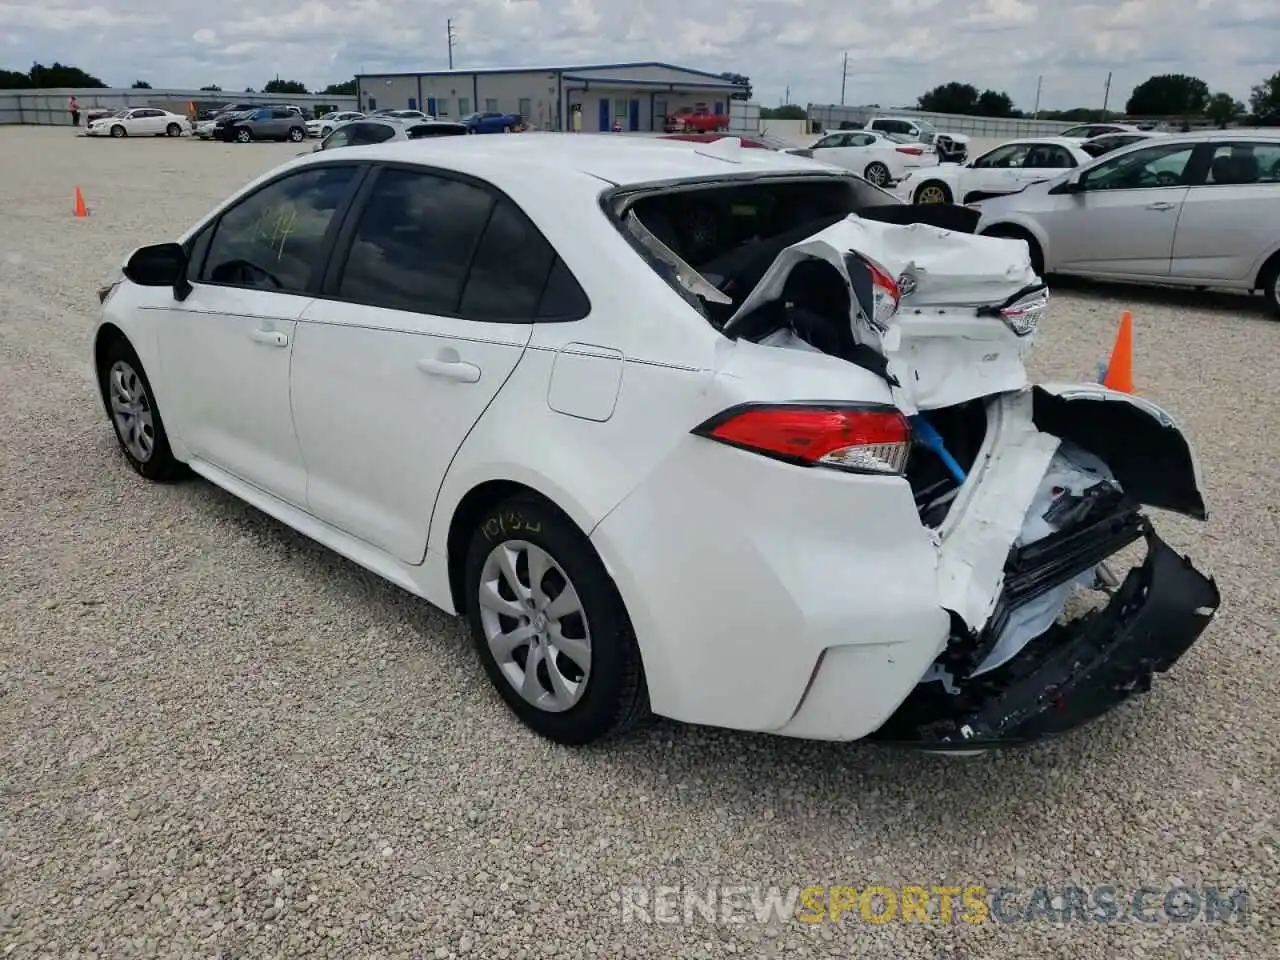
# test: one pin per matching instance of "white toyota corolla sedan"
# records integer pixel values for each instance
(720, 433)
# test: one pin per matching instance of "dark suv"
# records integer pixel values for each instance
(265, 123)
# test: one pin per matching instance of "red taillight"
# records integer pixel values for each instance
(914, 151)
(865, 439)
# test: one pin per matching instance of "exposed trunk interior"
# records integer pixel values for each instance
(933, 484)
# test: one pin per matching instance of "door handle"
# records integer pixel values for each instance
(450, 369)
(1161, 205)
(272, 338)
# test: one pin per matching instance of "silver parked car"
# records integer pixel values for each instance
(371, 130)
(1198, 209)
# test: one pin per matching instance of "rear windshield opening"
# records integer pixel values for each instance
(714, 243)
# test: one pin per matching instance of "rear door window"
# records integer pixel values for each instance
(414, 242)
(1244, 162)
(509, 270)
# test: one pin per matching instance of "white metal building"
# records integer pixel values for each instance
(589, 98)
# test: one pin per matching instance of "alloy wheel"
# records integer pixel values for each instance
(131, 411)
(931, 194)
(878, 174)
(535, 625)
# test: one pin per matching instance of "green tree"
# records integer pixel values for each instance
(995, 103)
(786, 112)
(1168, 95)
(13, 80)
(60, 75)
(1264, 99)
(1223, 109)
(141, 85)
(950, 97)
(345, 89)
(741, 80)
(283, 86)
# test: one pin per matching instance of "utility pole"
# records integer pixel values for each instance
(844, 75)
(452, 38)
(1035, 114)
(786, 97)
(1106, 95)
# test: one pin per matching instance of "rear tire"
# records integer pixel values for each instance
(131, 407)
(297, 134)
(1269, 281)
(587, 680)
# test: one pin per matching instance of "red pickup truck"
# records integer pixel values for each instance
(695, 120)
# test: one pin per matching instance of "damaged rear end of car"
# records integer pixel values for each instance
(1032, 496)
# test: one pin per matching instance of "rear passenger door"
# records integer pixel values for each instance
(1230, 219)
(427, 307)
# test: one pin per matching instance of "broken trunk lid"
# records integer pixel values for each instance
(947, 340)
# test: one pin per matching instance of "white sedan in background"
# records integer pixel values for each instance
(1006, 169)
(140, 122)
(324, 126)
(876, 156)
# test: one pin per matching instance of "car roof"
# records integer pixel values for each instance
(1069, 142)
(532, 160)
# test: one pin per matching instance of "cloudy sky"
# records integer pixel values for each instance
(897, 48)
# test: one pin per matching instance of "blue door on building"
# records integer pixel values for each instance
(606, 123)
(431, 106)
(719, 108)
(633, 116)
(413, 103)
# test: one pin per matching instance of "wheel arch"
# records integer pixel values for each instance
(1021, 231)
(929, 181)
(484, 495)
(106, 335)
(1269, 263)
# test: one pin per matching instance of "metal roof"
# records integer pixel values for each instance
(569, 68)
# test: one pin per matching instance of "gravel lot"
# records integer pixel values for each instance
(219, 740)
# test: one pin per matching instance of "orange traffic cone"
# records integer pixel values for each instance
(81, 209)
(1119, 375)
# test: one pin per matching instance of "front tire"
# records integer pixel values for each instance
(118, 131)
(1033, 246)
(173, 130)
(550, 627)
(933, 192)
(139, 429)
(243, 135)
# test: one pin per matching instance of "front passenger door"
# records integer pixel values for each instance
(410, 341)
(226, 349)
(1124, 220)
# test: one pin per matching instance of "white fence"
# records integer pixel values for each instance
(830, 116)
(49, 107)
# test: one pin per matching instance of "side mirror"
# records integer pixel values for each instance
(160, 265)
(1070, 185)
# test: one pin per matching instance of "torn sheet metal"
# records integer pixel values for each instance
(938, 347)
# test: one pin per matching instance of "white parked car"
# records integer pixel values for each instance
(950, 147)
(1088, 131)
(1006, 169)
(1193, 209)
(140, 122)
(367, 131)
(876, 156)
(323, 126)
(801, 486)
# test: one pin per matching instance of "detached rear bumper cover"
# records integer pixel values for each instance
(1075, 673)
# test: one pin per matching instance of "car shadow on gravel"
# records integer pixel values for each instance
(1176, 297)
(770, 781)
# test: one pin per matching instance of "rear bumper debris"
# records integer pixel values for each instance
(1075, 672)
